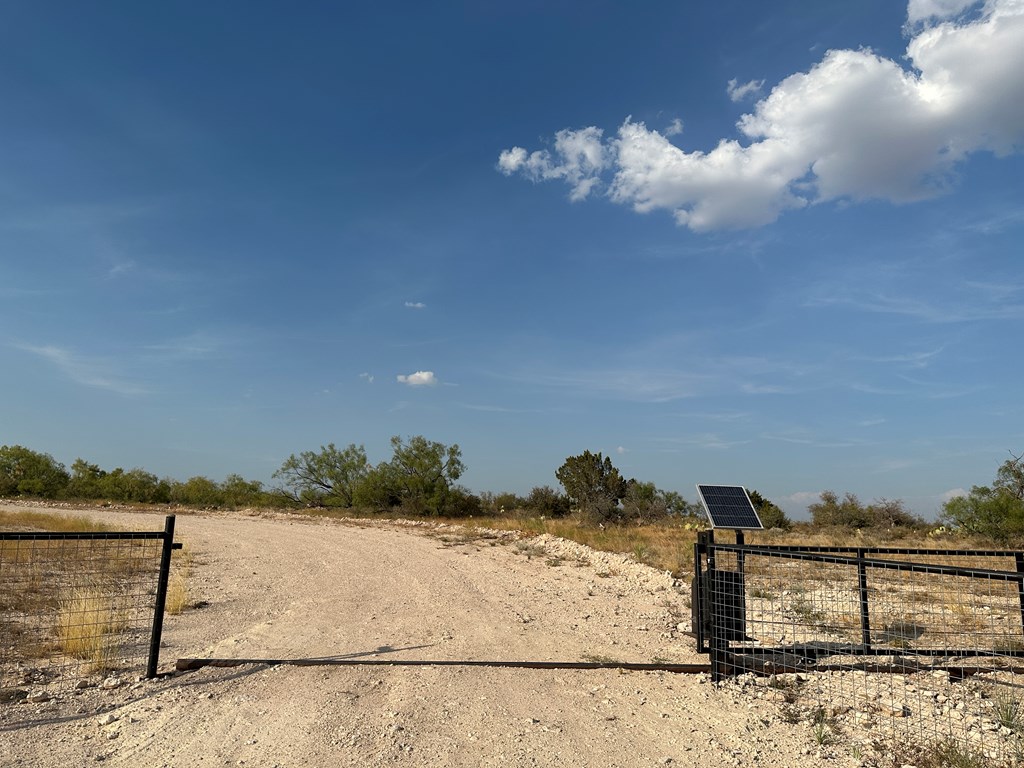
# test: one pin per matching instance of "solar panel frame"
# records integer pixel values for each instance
(729, 507)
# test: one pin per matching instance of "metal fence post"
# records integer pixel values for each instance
(716, 638)
(865, 609)
(161, 597)
(699, 599)
(1019, 559)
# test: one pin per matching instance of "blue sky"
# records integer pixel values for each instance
(778, 245)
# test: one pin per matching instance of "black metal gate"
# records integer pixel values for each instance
(766, 608)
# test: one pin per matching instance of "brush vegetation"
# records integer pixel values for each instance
(420, 479)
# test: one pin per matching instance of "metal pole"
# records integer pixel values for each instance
(716, 631)
(698, 595)
(865, 613)
(1019, 559)
(161, 597)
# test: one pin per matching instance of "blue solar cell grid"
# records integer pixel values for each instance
(728, 506)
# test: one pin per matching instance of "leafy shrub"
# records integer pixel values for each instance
(849, 512)
(547, 502)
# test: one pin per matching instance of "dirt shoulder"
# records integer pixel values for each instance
(279, 586)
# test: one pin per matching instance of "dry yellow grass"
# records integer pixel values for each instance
(43, 521)
(667, 546)
(87, 620)
(177, 594)
(178, 584)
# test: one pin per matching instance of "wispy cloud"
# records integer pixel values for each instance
(998, 222)
(803, 438)
(121, 268)
(708, 440)
(878, 288)
(739, 91)
(366, 377)
(910, 359)
(637, 382)
(895, 465)
(635, 385)
(726, 416)
(873, 422)
(499, 409)
(89, 371)
(195, 346)
(415, 305)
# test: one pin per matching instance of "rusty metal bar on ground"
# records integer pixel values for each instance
(187, 665)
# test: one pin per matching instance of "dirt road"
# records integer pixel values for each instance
(291, 587)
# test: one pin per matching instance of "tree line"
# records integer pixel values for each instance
(421, 478)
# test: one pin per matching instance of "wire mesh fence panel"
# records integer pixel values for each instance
(74, 609)
(894, 653)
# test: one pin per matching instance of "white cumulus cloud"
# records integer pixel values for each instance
(926, 10)
(856, 126)
(578, 158)
(418, 379)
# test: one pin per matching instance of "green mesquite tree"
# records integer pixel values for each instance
(24, 472)
(329, 477)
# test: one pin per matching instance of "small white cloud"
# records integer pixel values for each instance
(418, 379)
(738, 92)
(415, 305)
(674, 128)
(121, 268)
(952, 493)
(367, 377)
(620, 450)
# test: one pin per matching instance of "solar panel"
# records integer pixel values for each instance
(728, 506)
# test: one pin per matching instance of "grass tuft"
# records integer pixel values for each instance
(86, 620)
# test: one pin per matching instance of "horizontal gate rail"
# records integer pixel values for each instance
(187, 665)
(893, 565)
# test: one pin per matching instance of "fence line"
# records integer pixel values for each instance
(77, 605)
(813, 628)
